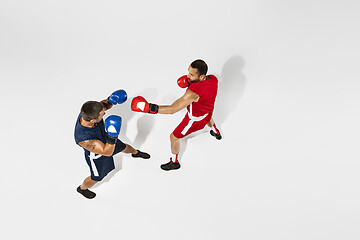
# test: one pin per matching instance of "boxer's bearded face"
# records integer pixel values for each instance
(193, 75)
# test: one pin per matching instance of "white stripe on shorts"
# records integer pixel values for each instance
(93, 156)
(192, 120)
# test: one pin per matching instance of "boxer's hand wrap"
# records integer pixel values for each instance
(109, 139)
(153, 108)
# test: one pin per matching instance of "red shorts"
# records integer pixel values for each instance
(188, 125)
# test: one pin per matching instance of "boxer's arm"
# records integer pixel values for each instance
(98, 147)
(179, 104)
(106, 104)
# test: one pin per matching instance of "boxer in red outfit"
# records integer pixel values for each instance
(198, 99)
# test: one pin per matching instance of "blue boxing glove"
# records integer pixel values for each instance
(117, 97)
(112, 128)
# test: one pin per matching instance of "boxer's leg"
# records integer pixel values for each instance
(135, 153)
(175, 144)
(175, 149)
(88, 183)
(129, 149)
(84, 188)
(211, 122)
(214, 130)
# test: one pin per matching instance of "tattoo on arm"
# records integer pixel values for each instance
(88, 145)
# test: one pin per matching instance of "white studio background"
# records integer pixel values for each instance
(288, 108)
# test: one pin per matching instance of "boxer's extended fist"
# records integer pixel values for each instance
(117, 97)
(139, 104)
(183, 81)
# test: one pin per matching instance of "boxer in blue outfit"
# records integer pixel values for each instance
(99, 139)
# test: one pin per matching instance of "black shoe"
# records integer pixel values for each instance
(170, 166)
(217, 136)
(86, 193)
(141, 155)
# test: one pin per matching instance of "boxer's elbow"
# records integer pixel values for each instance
(108, 150)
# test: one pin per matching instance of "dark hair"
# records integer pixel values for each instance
(91, 110)
(200, 65)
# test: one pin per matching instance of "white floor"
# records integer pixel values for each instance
(288, 107)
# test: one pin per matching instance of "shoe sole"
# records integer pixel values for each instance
(168, 169)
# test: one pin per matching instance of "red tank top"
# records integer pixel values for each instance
(207, 91)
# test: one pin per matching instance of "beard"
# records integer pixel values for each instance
(195, 81)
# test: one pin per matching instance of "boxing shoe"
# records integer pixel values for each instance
(217, 136)
(86, 193)
(141, 154)
(170, 166)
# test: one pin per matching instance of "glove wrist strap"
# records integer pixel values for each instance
(153, 108)
(109, 139)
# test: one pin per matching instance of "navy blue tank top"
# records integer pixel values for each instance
(85, 133)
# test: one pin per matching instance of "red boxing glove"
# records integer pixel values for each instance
(183, 81)
(139, 104)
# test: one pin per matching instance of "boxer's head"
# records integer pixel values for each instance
(197, 71)
(92, 111)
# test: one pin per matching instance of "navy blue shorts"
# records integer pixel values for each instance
(101, 165)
